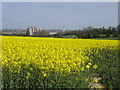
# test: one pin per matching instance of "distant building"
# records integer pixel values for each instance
(33, 30)
(13, 31)
(63, 29)
(52, 33)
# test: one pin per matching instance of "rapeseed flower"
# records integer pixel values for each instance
(95, 66)
(87, 66)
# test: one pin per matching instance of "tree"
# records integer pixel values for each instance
(41, 33)
(27, 33)
(103, 30)
(107, 35)
(89, 32)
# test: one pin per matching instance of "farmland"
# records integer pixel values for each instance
(58, 63)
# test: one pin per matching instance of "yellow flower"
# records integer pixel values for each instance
(82, 68)
(89, 63)
(76, 78)
(27, 77)
(44, 74)
(95, 80)
(95, 66)
(28, 74)
(86, 79)
(87, 66)
(99, 87)
(31, 69)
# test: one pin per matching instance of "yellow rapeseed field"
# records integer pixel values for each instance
(61, 56)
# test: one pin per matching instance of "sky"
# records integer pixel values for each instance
(56, 15)
(0, 16)
(119, 13)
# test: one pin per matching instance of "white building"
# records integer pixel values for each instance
(33, 30)
(63, 29)
(51, 33)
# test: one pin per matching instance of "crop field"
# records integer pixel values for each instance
(34, 62)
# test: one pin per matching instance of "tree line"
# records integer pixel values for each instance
(90, 32)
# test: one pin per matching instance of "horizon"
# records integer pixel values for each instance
(56, 28)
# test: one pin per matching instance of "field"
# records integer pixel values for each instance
(29, 62)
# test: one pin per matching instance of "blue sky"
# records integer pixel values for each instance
(56, 15)
(119, 13)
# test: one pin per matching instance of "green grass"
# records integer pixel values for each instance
(102, 35)
(68, 36)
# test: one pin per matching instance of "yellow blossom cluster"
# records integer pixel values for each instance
(57, 55)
